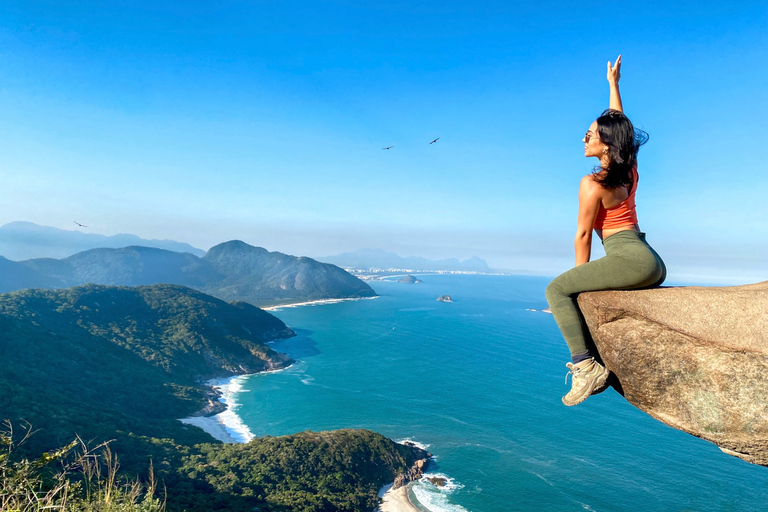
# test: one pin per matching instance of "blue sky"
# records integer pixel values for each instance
(264, 121)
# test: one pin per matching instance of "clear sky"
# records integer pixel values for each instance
(265, 121)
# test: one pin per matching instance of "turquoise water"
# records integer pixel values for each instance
(479, 381)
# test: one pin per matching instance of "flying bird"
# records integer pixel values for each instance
(434, 141)
(390, 147)
(81, 225)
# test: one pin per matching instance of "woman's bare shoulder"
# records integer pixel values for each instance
(588, 183)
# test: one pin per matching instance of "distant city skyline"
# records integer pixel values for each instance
(265, 123)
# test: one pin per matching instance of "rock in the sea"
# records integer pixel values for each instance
(444, 298)
(409, 279)
(438, 481)
(695, 358)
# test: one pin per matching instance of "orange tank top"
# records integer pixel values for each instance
(624, 214)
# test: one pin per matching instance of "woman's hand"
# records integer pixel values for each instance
(614, 72)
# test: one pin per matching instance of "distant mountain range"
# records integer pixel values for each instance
(230, 271)
(365, 259)
(25, 240)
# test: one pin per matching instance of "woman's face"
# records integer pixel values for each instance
(592, 144)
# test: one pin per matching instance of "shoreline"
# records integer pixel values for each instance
(396, 500)
(318, 302)
(225, 426)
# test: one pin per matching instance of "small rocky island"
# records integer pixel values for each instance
(409, 279)
(444, 298)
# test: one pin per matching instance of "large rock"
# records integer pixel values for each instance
(695, 358)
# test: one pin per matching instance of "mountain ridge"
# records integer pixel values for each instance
(231, 271)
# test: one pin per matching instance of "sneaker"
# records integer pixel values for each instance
(589, 377)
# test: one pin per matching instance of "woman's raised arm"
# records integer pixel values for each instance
(614, 73)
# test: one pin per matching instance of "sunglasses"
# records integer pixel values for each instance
(588, 136)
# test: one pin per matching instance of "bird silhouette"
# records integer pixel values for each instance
(81, 225)
(390, 147)
(434, 141)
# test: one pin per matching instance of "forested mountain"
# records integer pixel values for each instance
(122, 364)
(258, 276)
(92, 359)
(127, 266)
(230, 271)
(16, 276)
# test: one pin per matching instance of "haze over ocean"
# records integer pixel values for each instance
(479, 380)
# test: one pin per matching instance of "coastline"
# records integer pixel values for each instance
(396, 500)
(225, 426)
(319, 302)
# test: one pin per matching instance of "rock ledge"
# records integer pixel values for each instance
(695, 358)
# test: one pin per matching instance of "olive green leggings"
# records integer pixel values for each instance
(629, 263)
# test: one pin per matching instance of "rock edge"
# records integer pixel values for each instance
(695, 358)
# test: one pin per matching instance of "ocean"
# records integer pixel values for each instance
(478, 381)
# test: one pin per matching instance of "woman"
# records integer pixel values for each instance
(607, 205)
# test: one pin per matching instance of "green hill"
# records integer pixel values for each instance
(261, 277)
(91, 359)
(122, 364)
(231, 271)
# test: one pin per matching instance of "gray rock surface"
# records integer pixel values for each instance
(695, 358)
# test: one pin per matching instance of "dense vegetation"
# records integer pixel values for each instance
(122, 364)
(308, 472)
(230, 271)
(93, 358)
(74, 478)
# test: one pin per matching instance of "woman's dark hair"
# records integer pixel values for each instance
(623, 141)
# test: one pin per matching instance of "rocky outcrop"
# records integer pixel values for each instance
(695, 358)
(444, 298)
(416, 471)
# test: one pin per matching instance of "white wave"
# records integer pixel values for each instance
(450, 484)
(417, 444)
(434, 498)
(229, 420)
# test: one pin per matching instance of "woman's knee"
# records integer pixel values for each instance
(554, 291)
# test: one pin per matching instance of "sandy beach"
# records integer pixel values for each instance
(314, 303)
(226, 426)
(397, 501)
(213, 427)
